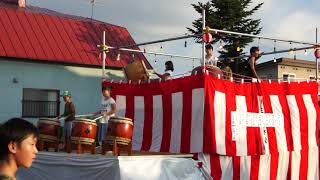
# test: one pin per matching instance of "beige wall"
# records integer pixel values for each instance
(277, 71)
(299, 72)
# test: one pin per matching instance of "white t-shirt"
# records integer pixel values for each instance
(106, 106)
(169, 72)
(211, 61)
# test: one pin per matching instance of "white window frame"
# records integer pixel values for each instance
(289, 74)
(35, 108)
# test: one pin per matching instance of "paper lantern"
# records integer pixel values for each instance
(317, 53)
(207, 37)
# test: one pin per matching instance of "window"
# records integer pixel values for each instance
(264, 77)
(312, 77)
(288, 76)
(40, 103)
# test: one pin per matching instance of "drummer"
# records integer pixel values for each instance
(210, 60)
(108, 109)
(69, 115)
(168, 71)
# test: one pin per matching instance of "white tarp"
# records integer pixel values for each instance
(59, 166)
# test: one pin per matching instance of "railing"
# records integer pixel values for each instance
(40, 108)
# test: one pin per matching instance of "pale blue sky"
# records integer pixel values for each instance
(149, 20)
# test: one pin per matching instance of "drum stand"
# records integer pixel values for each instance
(116, 148)
(81, 147)
(43, 144)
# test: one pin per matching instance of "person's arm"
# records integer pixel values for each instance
(72, 111)
(113, 109)
(62, 115)
(164, 76)
(97, 113)
(159, 75)
(253, 68)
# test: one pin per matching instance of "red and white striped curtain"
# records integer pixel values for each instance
(193, 115)
(302, 165)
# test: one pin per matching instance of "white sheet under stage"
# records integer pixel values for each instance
(54, 166)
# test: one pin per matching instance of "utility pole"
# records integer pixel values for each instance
(317, 63)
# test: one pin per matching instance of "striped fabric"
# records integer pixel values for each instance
(193, 114)
(281, 166)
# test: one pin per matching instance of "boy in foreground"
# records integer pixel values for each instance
(17, 147)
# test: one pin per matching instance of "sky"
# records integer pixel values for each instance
(149, 20)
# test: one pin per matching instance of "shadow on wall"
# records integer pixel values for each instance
(115, 77)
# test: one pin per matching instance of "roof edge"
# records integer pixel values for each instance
(24, 60)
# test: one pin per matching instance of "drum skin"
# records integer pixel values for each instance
(212, 70)
(136, 71)
(119, 129)
(84, 131)
(49, 129)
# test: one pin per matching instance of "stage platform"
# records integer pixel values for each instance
(63, 166)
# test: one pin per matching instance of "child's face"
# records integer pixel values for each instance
(209, 51)
(106, 93)
(26, 151)
(256, 53)
(66, 98)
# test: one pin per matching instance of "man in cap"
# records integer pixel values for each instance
(69, 113)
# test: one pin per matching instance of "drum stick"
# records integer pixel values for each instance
(59, 118)
(98, 118)
(85, 115)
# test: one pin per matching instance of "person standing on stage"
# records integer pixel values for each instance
(210, 60)
(250, 64)
(168, 71)
(69, 115)
(108, 109)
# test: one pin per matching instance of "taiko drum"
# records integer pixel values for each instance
(119, 129)
(49, 129)
(84, 131)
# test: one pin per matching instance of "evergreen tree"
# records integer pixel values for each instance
(230, 15)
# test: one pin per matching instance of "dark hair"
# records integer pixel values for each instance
(106, 88)
(208, 46)
(14, 130)
(169, 64)
(254, 49)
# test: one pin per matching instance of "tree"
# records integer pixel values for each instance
(231, 15)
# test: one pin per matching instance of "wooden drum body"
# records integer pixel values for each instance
(49, 129)
(215, 71)
(136, 71)
(83, 131)
(119, 129)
